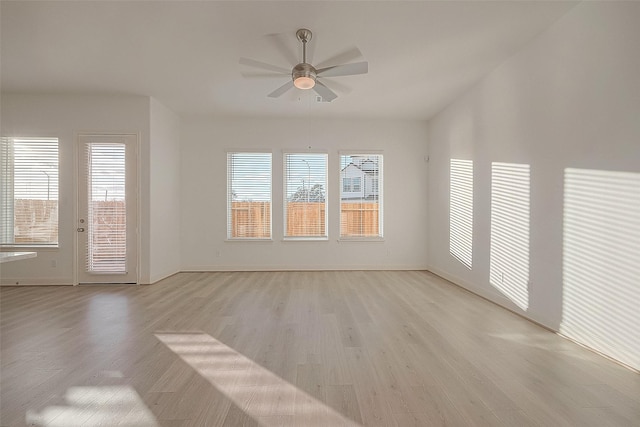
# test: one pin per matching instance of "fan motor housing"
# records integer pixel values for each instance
(303, 70)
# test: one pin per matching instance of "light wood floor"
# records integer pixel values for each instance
(294, 349)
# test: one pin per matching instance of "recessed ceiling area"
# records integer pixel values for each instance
(421, 55)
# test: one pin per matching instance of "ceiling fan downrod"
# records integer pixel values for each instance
(304, 36)
(303, 74)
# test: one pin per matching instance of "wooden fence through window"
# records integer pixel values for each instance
(359, 220)
(306, 219)
(248, 219)
(253, 219)
(35, 221)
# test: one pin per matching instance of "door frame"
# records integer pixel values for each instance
(76, 202)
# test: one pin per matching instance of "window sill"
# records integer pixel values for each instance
(21, 248)
(361, 240)
(305, 239)
(248, 240)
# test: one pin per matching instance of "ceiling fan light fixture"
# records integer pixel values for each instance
(304, 76)
(304, 83)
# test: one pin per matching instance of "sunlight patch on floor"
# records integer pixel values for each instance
(258, 392)
(92, 406)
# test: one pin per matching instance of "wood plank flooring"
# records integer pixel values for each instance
(294, 349)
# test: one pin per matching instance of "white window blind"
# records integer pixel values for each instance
(107, 222)
(305, 190)
(361, 196)
(29, 191)
(248, 195)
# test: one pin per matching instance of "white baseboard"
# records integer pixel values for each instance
(495, 297)
(158, 277)
(214, 268)
(40, 281)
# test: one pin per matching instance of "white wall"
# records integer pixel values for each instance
(204, 142)
(64, 116)
(164, 212)
(569, 101)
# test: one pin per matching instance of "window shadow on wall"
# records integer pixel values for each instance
(601, 262)
(510, 211)
(461, 211)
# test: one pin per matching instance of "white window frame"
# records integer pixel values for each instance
(230, 238)
(380, 236)
(7, 190)
(324, 237)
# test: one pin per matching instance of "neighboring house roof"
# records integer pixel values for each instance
(372, 171)
(369, 198)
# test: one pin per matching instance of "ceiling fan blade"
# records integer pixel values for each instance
(336, 85)
(342, 58)
(327, 94)
(279, 40)
(262, 75)
(344, 70)
(263, 65)
(281, 90)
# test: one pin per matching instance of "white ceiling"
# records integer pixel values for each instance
(421, 54)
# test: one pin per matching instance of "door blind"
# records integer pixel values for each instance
(106, 222)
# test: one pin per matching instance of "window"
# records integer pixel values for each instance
(351, 185)
(29, 191)
(305, 184)
(361, 198)
(355, 184)
(346, 185)
(248, 195)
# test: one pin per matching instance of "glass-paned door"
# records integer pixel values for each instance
(107, 209)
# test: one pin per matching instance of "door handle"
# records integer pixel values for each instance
(80, 229)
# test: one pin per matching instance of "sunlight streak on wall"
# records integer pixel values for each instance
(601, 262)
(255, 390)
(92, 406)
(509, 255)
(461, 211)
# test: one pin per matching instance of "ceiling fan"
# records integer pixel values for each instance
(305, 76)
